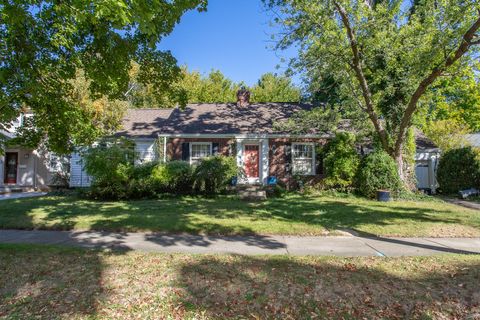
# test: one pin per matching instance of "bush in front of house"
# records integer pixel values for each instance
(377, 171)
(341, 162)
(172, 177)
(110, 165)
(140, 183)
(459, 169)
(214, 174)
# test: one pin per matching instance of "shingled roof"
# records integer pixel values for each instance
(213, 118)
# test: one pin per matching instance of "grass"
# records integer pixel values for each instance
(52, 283)
(292, 215)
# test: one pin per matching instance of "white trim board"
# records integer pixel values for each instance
(243, 136)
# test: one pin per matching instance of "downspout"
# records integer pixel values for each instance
(164, 149)
(35, 170)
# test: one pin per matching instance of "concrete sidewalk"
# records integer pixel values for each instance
(248, 245)
(19, 195)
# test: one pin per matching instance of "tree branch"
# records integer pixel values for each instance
(356, 64)
(467, 42)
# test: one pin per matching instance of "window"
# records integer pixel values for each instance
(199, 150)
(303, 158)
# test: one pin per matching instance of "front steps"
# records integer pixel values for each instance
(251, 192)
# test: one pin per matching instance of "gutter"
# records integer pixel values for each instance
(241, 136)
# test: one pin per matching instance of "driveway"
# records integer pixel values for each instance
(19, 195)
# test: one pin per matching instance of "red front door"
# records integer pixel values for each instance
(11, 162)
(252, 161)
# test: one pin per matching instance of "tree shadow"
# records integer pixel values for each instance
(42, 285)
(253, 287)
(225, 215)
(53, 282)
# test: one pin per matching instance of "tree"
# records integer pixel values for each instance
(385, 55)
(447, 134)
(275, 88)
(457, 99)
(98, 117)
(44, 43)
(165, 92)
(213, 88)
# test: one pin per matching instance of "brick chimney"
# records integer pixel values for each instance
(243, 97)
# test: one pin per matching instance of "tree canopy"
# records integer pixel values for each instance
(215, 87)
(44, 43)
(385, 55)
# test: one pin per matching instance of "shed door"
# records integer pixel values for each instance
(421, 171)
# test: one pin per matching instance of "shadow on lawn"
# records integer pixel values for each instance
(328, 289)
(48, 283)
(210, 216)
(64, 283)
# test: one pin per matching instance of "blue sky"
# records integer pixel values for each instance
(232, 36)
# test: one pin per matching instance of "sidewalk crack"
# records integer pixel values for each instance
(378, 252)
(286, 246)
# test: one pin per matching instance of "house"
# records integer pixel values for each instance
(243, 130)
(23, 169)
(473, 139)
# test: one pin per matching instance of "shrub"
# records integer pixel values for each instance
(213, 174)
(110, 165)
(341, 161)
(459, 169)
(144, 170)
(377, 171)
(173, 177)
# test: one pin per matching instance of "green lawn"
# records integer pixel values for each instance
(50, 283)
(292, 215)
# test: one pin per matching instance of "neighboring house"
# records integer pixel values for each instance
(26, 169)
(243, 130)
(473, 139)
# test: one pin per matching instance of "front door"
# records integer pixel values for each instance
(11, 162)
(252, 161)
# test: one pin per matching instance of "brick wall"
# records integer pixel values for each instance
(174, 146)
(278, 160)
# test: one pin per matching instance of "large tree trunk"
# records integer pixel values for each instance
(406, 173)
(399, 161)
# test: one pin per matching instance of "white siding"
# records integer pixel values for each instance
(145, 151)
(78, 176)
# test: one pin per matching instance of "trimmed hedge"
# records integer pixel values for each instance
(377, 171)
(459, 169)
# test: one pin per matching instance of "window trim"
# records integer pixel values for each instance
(199, 143)
(313, 158)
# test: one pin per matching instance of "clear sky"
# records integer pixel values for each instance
(232, 36)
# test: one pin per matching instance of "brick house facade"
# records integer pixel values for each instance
(245, 131)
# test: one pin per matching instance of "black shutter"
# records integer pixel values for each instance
(215, 148)
(288, 158)
(319, 163)
(185, 151)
